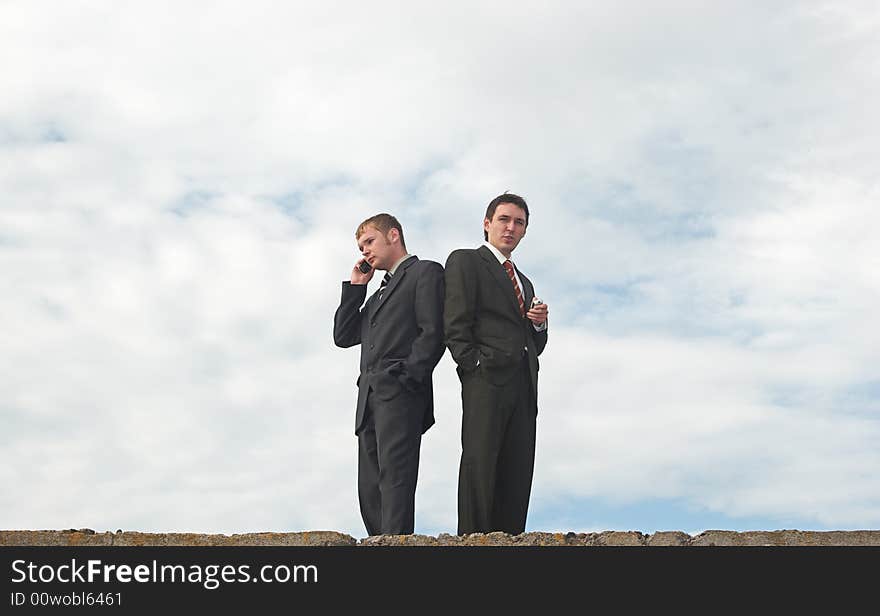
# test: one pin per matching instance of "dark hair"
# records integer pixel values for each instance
(506, 198)
(384, 223)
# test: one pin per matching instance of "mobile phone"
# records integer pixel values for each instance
(364, 267)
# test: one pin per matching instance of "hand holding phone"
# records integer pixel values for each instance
(362, 272)
(538, 312)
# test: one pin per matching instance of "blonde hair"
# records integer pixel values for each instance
(383, 223)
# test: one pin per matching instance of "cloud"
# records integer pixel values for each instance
(660, 418)
(180, 192)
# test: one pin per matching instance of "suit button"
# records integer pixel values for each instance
(373, 324)
(372, 346)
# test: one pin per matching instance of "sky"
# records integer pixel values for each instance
(179, 188)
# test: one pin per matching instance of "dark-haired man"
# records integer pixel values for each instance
(400, 330)
(495, 333)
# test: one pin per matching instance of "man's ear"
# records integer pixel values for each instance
(393, 235)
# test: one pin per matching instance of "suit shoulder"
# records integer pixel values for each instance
(426, 264)
(461, 254)
(424, 268)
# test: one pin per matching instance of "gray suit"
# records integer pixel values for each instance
(401, 338)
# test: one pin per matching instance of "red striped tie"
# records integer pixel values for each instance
(522, 304)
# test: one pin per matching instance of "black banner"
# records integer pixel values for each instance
(121, 580)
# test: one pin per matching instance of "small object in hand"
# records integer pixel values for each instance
(364, 267)
(536, 302)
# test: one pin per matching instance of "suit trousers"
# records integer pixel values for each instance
(498, 453)
(388, 463)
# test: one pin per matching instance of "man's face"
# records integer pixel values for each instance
(376, 248)
(507, 227)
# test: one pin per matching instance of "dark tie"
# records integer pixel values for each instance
(384, 284)
(519, 298)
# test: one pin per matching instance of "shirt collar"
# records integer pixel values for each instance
(501, 258)
(397, 264)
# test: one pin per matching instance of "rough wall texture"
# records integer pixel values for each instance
(87, 537)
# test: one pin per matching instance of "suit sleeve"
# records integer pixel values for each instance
(540, 339)
(427, 348)
(347, 321)
(459, 310)
(538, 335)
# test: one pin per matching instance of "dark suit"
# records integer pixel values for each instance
(496, 350)
(401, 338)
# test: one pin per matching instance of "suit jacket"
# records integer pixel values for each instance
(482, 319)
(401, 335)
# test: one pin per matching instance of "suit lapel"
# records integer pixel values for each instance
(500, 275)
(528, 290)
(392, 284)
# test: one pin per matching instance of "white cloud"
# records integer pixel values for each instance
(660, 418)
(180, 190)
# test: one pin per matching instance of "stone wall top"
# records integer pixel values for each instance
(88, 537)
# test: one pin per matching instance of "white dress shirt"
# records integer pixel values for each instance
(501, 259)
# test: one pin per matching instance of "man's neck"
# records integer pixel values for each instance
(396, 263)
(505, 253)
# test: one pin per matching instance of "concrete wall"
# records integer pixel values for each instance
(87, 537)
